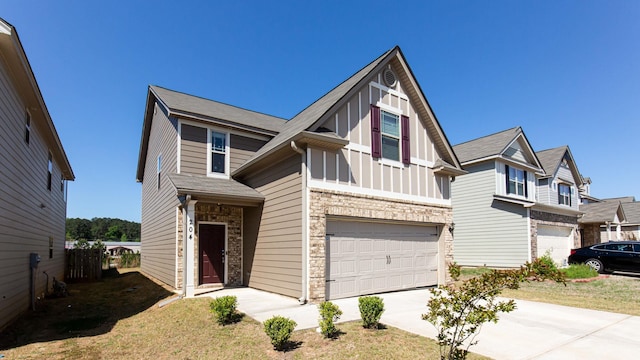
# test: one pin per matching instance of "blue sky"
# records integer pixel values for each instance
(568, 72)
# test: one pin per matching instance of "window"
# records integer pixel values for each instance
(50, 247)
(27, 131)
(390, 130)
(218, 160)
(159, 171)
(564, 194)
(50, 172)
(516, 181)
(390, 136)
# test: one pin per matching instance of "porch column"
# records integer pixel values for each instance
(189, 249)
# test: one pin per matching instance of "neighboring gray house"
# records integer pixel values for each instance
(349, 197)
(34, 171)
(514, 205)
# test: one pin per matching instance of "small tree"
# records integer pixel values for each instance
(279, 330)
(458, 311)
(371, 309)
(329, 314)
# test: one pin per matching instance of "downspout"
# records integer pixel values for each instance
(305, 247)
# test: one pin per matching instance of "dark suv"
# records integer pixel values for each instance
(611, 256)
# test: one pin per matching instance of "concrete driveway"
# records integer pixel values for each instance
(533, 331)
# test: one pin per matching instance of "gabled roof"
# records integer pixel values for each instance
(623, 199)
(492, 146)
(184, 105)
(551, 159)
(602, 212)
(632, 212)
(27, 86)
(312, 116)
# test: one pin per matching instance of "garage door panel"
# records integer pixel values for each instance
(555, 240)
(380, 256)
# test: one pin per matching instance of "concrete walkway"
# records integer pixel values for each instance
(533, 331)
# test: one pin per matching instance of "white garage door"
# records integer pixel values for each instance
(368, 258)
(557, 241)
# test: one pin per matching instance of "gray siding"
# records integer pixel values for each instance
(487, 232)
(29, 213)
(193, 150)
(158, 247)
(273, 246)
(242, 148)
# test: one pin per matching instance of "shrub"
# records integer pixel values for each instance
(459, 310)
(279, 330)
(329, 314)
(371, 308)
(224, 308)
(544, 266)
(579, 271)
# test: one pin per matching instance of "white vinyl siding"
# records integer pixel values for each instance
(487, 231)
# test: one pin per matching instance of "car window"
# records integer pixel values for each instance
(636, 248)
(619, 247)
(599, 247)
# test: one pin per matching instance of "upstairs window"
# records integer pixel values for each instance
(159, 170)
(27, 130)
(390, 136)
(516, 181)
(390, 131)
(218, 143)
(50, 172)
(564, 194)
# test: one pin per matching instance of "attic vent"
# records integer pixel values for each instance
(389, 77)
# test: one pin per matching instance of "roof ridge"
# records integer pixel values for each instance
(489, 135)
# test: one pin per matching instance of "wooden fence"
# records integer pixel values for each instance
(83, 265)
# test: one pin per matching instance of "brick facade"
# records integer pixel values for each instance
(326, 203)
(212, 213)
(550, 219)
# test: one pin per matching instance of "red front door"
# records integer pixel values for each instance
(211, 244)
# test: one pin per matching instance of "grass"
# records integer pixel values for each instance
(615, 293)
(118, 317)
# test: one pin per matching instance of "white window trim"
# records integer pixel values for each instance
(524, 183)
(397, 112)
(227, 161)
(569, 195)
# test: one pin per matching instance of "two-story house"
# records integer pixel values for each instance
(34, 171)
(349, 197)
(515, 204)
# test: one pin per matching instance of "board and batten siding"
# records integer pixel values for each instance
(30, 214)
(159, 214)
(193, 149)
(354, 169)
(273, 233)
(487, 231)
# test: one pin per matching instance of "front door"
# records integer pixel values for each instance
(211, 241)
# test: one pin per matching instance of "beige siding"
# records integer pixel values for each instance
(242, 148)
(487, 231)
(193, 150)
(273, 247)
(29, 213)
(159, 204)
(356, 170)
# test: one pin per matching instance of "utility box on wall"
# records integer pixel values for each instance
(34, 259)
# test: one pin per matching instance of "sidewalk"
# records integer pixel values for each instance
(533, 331)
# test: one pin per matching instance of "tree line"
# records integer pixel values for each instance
(105, 229)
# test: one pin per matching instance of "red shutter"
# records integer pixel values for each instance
(406, 146)
(376, 139)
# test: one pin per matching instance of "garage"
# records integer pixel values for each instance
(367, 258)
(557, 241)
